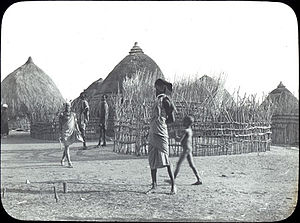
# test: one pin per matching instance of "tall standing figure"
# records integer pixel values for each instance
(84, 116)
(103, 115)
(69, 131)
(162, 114)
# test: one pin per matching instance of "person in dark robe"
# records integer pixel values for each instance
(103, 116)
(162, 113)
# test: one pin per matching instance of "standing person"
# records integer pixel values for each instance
(103, 113)
(162, 113)
(84, 116)
(4, 121)
(69, 132)
(186, 143)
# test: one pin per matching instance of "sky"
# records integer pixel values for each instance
(254, 45)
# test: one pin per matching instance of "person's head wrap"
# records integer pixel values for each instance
(162, 82)
(5, 106)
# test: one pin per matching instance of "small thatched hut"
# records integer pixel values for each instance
(31, 95)
(285, 118)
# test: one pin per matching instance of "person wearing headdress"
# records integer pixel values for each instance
(103, 115)
(162, 114)
(4, 121)
(69, 131)
(84, 117)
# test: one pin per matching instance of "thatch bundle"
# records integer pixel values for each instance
(30, 93)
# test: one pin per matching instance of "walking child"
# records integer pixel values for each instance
(186, 143)
(69, 132)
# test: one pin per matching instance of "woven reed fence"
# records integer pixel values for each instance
(50, 130)
(44, 130)
(209, 138)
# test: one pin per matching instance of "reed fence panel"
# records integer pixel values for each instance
(209, 139)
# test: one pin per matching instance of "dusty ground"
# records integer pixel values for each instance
(105, 186)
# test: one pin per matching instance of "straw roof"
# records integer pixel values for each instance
(216, 87)
(283, 100)
(136, 63)
(29, 90)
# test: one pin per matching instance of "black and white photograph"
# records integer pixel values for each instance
(138, 111)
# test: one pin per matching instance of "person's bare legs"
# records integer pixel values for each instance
(173, 187)
(100, 136)
(82, 131)
(103, 135)
(191, 163)
(153, 177)
(67, 153)
(181, 158)
(63, 158)
(154, 184)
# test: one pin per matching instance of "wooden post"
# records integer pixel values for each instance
(65, 189)
(55, 194)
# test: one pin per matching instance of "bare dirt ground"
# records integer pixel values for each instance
(104, 186)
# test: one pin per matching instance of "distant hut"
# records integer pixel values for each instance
(31, 95)
(285, 118)
(214, 88)
(135, 63)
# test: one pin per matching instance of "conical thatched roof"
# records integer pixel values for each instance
(28, 90)
(202, 90)
(90, 92)
(136, 63)
(283, 100)
(215, 87)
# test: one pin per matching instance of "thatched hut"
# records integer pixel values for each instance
(31, 95)
(136, 63)
(285, 118)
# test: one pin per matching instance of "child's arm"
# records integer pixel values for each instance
(179, 139)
